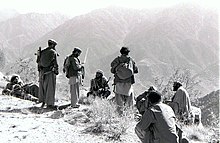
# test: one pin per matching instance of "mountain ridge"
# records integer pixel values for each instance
(173, 37)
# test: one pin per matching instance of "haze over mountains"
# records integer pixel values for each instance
(7, 14)
(183, 36)
(23, 29)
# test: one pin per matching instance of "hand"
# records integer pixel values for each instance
(56, 72)
(137, 117)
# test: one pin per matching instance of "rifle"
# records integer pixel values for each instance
(83, 68)
(103, 90)
(107, 81)
(38, 57)
(38, 54)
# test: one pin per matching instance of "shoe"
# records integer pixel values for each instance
(76, 106)
(52, 107)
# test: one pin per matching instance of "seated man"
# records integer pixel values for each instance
(181, 102)
(99, 86)
(15, 88)
(157, 125)
(13, 84)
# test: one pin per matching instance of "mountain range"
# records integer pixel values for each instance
(6, 14)
(183, 36)
(23, 29)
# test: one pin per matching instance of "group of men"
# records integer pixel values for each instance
(158, 120)
(17, 88)
(48, 69)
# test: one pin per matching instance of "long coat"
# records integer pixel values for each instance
(48, 70)
(182, 99)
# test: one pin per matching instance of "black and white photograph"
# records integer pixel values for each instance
(109, 71)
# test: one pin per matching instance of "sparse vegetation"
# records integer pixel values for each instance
(103, 118)
(107, 121)
(185, 76)
(2, 59)
(201, 134)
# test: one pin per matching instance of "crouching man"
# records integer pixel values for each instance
(99, 86)
(157, 125)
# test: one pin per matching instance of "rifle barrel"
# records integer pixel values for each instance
(86, 56)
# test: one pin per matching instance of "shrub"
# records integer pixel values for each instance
(190, 83)
(107, 121)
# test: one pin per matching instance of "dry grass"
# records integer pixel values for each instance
(106, 120)
(201, 134)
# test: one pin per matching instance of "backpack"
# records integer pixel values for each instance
(125, 70)
(46, 58)
(66, 66)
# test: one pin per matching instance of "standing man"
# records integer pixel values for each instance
(123, 67)
(158, 124)
(182, 101)
(48, 69)
(75, 76)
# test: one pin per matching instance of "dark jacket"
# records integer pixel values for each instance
(159, 119)
(75, 66)
(48, 60)
(100, 83)
(116, 62)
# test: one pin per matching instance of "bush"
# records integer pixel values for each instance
(107, 121)
(190, 83)
(201, 134)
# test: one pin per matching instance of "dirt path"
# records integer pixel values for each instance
(21, 123)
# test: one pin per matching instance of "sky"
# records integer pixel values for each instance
(77, 7)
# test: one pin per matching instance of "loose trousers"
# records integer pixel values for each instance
(47, 87)
(74, 91)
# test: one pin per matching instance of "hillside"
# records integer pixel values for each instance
(184, 36)
(102, 31)
(209, 105)
(6, 14)
(24, 29)
(24, 121)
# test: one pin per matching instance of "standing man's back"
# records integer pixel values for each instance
(48, 69)
(123, 67)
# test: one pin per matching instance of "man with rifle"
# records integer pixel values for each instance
(48, 69)
(74, 70)
(99, 86)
